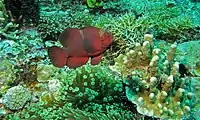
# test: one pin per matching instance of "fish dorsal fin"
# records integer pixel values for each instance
(72, 39)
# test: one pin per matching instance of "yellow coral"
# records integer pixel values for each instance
(163, 93)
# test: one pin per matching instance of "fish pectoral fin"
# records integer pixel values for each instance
(96, 60)
(58, 56)
(74, 62)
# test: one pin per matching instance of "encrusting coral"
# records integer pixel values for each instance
(153, 81)
(7, 72)
(16, 97)
(45, 72)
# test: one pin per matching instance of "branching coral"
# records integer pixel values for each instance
(160, 91)
(7, 29)
(3, 12)
(169, 20)
(126, 31)
(165, 22)
(127, 28)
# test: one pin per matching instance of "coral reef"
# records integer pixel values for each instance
(153, 81)
(155, 78)
(118, 6)
(127, 28)
(27, 48)
(54, 22)
(45, 72)
(90, 84)
(188, 56)
(196, 110)
(89, 92)
(94, 3)
(137, 58)
(37, 111)
(7, 72)
(16, 97)
(150, 16)
(24, 54)
(7, 29)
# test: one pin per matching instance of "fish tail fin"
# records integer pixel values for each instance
(58, 56)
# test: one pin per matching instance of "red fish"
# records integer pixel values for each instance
(78, 46)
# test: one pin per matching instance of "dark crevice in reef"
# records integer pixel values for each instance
(23, 11)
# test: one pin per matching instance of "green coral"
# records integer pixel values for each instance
(127, 28)
(53, 23)
(93, 3)
(156, 17)
(28, 47)
(90, 84)
(88, 92)
(118, 6)
(7, 72)
(141, 16)
(64, 14)
(37, 111)
(3, 12)
(187, 55)
(24, 54)
(16, 97)
(46, 72)
(168, 21)
(7, 29)
(196, 88)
